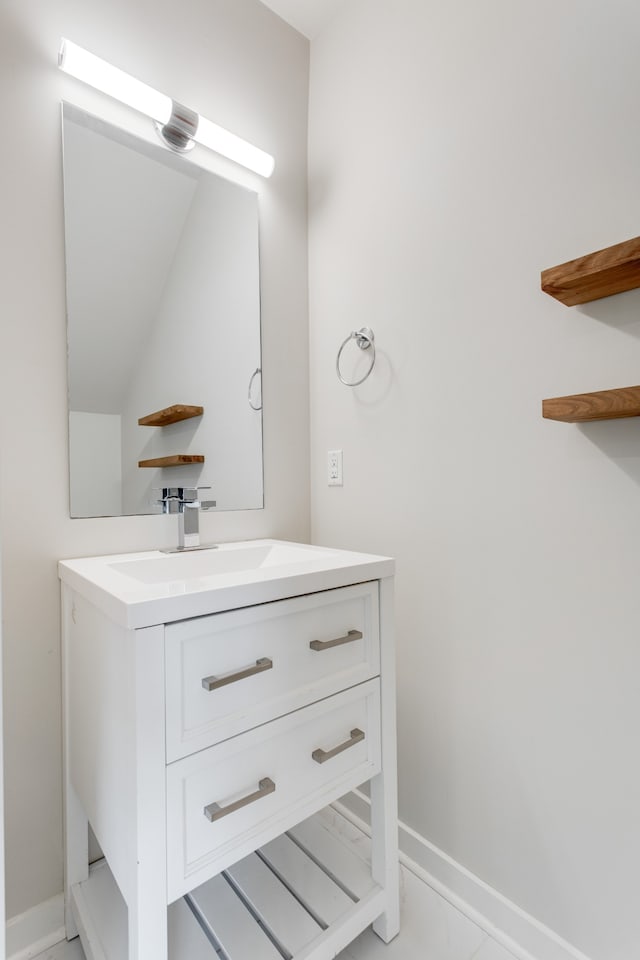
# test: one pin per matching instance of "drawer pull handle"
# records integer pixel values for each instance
(215, 812)
(326, 644)
(213, 683)
(321, 756)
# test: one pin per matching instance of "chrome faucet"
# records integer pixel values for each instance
(184, 501)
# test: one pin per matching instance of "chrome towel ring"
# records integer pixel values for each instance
(364, 338)
(253, 376)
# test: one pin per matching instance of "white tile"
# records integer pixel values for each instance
(430, 927)
(63, 951)
(490, 950)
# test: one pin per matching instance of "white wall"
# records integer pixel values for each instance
(244, 68)
(456, 149)
(95, 464)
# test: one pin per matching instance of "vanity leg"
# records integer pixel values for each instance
(76, 854)
(148, 928)
(384, 856)
(384, 788)
(76, 826)
(148, 909)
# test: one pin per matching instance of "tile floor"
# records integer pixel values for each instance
(431, 930)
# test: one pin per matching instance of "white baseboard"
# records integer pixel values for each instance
(520, 933)
(32, 932)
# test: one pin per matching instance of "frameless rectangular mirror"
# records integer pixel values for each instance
(163, 317)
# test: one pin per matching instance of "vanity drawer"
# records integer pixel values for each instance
(231, 671)
(226, 801)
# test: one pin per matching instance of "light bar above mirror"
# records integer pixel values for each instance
(178, 126)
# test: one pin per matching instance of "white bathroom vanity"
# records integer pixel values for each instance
(216, 703)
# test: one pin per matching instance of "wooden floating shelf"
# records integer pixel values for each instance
(177, 460)
(600, 274)
(162, 418)
(602, 405)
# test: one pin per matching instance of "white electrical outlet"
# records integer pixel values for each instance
(334, 468)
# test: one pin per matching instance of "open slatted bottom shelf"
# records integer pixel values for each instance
(305, 895)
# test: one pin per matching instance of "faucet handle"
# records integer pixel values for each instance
(190, 498)
(205, 504)
(191, 493)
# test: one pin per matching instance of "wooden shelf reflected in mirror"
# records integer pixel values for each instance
(177, 460)
(173, 414)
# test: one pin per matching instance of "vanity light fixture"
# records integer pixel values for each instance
(178, 126)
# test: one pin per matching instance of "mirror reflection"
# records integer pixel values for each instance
(163, 315)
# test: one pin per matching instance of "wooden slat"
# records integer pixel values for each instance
(229, 923)
(289, 924)
(313, 887)
(600, 274)
(177, 460)
(602, 405)
(187, 939)
(340, 935)
(339, 862)
(173, 414)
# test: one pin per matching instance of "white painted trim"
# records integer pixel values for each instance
(36, 930)
(517, 931)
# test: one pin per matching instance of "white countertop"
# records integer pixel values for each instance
(127, 588)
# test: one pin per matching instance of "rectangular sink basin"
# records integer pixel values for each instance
(166, 568)
(144, 589)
